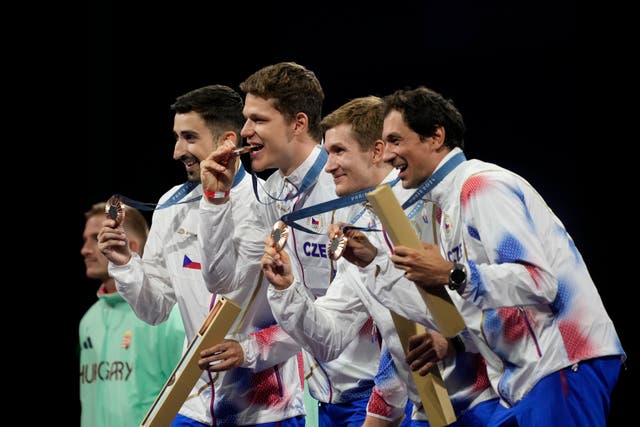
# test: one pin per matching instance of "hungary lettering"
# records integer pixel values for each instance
(105, 371)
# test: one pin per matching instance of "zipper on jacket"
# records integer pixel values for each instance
(533, 335)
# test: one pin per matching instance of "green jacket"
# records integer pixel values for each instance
(124, 362)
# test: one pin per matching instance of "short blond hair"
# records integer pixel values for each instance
(134, 222)
(365, 117)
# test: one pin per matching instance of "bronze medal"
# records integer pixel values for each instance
(244, 149)
(337, 246)
(279, 234)
(115, 210)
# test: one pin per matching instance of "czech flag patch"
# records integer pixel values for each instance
(187, 263)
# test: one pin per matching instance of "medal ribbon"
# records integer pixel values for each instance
(178, 195)
(340, 202)
(435, 178)
(308, 180)
(351, 199)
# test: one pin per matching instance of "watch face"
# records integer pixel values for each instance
(458, 276)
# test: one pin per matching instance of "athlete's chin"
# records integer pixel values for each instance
(97, 273)
(408, 183)
(194, 177)
(258, 165)
(343, 190)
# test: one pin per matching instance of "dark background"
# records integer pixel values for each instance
(510, 67)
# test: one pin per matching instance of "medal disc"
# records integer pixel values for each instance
(244, 149)
(280, 234)
(115, 210)
(337, 246)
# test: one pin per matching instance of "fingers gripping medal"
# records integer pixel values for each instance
(337, 245)
(115, 210)
(279, 234)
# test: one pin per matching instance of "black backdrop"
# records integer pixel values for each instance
(510, 68)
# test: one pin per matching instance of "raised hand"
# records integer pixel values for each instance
(276, 265)
(219, 168)
(113, 242)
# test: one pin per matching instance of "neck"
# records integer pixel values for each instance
(440, 154)
(109, 285)
(378, 174)
(302, 150)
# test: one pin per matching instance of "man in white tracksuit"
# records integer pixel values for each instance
(282, 109)
(552, 351)
(169, 272)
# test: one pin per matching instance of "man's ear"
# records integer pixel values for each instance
(300, 123)
(438, 137)
(134, 245)
(378, 150)
(231, 136)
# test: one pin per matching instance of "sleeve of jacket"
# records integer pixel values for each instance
(507, 262)
(394, 291)
(231, 239)
(268, 347)
(324, 327)
(145, 282)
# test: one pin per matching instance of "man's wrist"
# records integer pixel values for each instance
(216, 197)
(282, 287)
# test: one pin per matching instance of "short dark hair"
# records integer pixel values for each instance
(424, 110)
(218, 105)
(293, 88)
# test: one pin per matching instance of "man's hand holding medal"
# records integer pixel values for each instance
(275, 261)
(112, 239)
(217, 172)
(351, 243)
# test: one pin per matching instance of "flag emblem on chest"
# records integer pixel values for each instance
(187, 263)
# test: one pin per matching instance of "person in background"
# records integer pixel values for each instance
(124, 362)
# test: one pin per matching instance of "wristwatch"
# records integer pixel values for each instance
(457, 277)
(457, 344)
